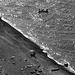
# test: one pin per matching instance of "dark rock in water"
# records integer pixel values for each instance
(43, 11)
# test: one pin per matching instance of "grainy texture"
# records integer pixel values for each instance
(54, 28)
